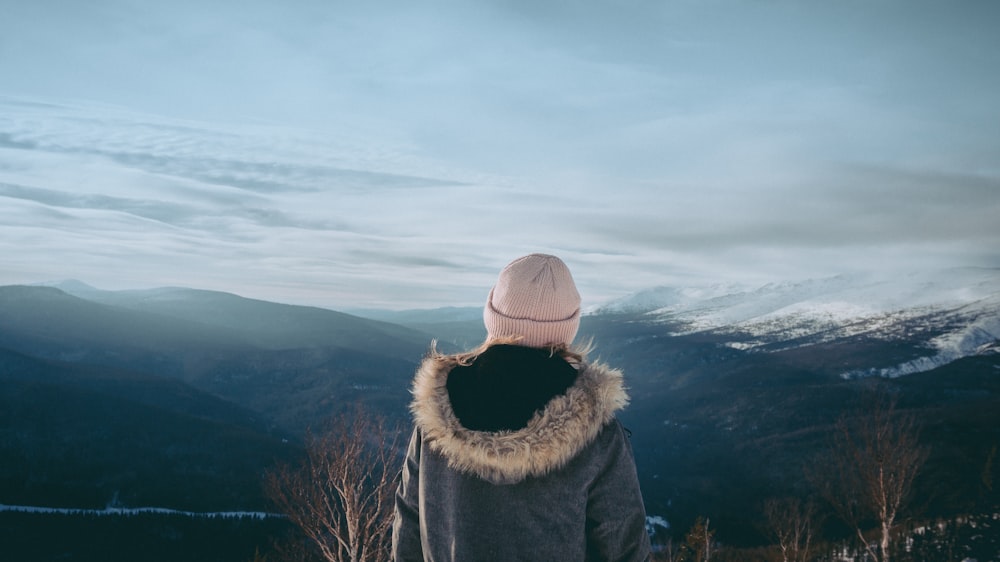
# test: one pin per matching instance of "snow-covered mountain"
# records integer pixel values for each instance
(954, 313)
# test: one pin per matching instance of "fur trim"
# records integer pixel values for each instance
(551, 439)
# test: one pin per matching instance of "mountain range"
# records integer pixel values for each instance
(734, 389)
(959, 305)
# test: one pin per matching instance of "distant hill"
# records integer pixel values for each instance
(294, 365)
(430, 316)
(50, 323)
(453, 328)
(264, 324)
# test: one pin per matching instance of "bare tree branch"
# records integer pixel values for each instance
(793, 523)
(341, 494)
(875, 458)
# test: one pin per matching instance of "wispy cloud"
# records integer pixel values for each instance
(390, 154)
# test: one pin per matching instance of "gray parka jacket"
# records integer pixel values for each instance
(518, 456)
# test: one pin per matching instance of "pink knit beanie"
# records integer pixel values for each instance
(534, 298)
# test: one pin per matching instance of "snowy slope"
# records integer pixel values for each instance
(974, 329)
(956, 312)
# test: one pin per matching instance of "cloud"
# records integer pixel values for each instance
(400, 154)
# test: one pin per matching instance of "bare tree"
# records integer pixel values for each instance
(341, 495)
(792, 522)
(667, 552)
(698, 543)
(876, 456)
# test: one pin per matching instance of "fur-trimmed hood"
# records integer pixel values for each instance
(552, 437)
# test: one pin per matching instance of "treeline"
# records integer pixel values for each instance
(962, 538)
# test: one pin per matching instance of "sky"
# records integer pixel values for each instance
(398, 154)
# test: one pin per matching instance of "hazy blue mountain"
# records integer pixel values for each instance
(265, 324)
(49, 316)
(428, 316)
(294, 365)
(453, 328)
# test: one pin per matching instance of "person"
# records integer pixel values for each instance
(516, 452)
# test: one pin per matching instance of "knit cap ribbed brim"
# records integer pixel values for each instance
(536, 300)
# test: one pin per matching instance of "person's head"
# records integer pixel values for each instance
(534, 302)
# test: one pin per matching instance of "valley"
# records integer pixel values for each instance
(182, 398)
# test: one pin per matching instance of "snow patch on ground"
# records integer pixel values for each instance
(655, 526)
